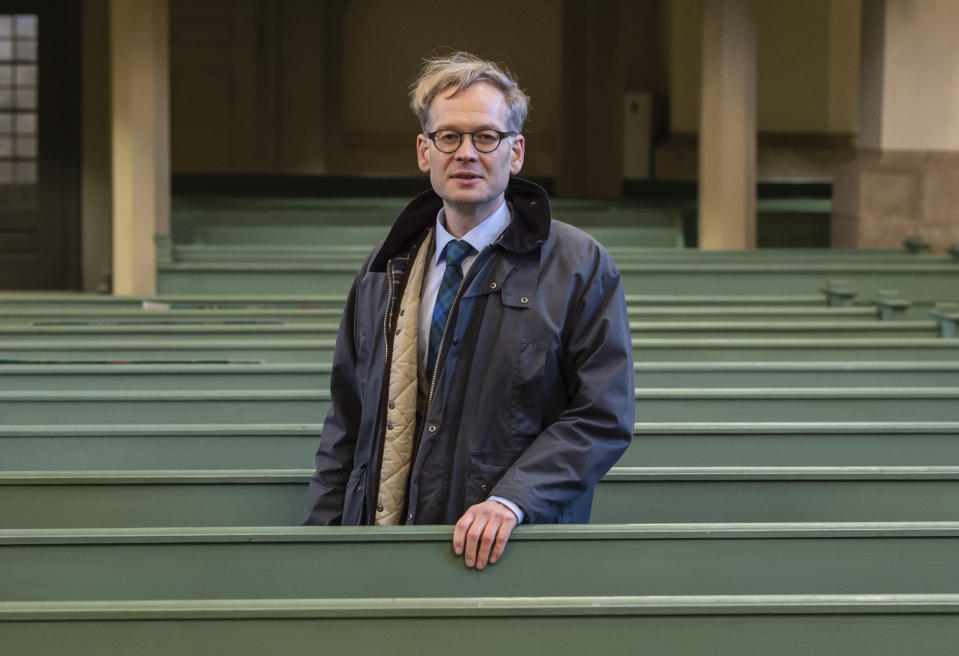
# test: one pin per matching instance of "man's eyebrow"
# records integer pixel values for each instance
(476, 129)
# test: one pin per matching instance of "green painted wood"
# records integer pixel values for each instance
(164, 407)
(277, 234)
(372, 562)
(86, 447)
(921, 283)
(176, 446)
(238, 351)
(158, 333)
(81, 301)
(273, 350)
(159, 377)
(54, 316)
(164, 331)
(798, 625)
(797, 404)
(642, 495)
(784, 328)
(791, 444)
(190, 252)
(310, 406)
(259, 278)
(793, 349)
(295, 376)
(795, 374)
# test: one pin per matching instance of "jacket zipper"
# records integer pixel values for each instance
(389, 310)
(439, 349)
(375, 487)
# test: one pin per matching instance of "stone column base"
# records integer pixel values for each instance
(882, 197)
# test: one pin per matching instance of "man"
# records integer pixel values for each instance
(483, 367)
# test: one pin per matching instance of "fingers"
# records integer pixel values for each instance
(481, 533)
(459, 532)
(502, 535)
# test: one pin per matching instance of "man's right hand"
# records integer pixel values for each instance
(481, 533)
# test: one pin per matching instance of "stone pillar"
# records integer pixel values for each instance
(905, 179)
(139, 55)
(727, 127)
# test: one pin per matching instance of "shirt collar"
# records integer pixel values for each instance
(479, 237)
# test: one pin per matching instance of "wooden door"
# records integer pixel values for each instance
(39, 144)
(213, 86)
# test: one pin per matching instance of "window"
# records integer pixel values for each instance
(19, 76)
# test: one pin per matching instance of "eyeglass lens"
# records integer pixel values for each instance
(448, 141)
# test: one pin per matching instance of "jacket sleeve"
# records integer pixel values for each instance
(569, 457)
(335, 455)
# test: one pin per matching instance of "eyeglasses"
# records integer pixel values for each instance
(485, 141)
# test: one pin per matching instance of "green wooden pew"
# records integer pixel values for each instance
(875, 625)
(160, 330)
(646, 495)
(319, 350)
(732, 328)
(310, 406)
(673, 589)
(158, 377)
(53, 316)
(922, 283)
(418, 562)
(637, 228)
(24, 301)
(175, 447)
(356, 253)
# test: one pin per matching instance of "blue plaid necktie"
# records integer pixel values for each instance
(454, 252)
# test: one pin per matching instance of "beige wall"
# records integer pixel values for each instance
(807, 73)
(920, 88)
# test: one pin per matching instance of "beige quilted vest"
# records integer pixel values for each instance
(401, 408)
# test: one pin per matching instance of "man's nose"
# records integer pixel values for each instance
(464, 151)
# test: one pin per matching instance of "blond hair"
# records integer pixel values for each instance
(459, 71)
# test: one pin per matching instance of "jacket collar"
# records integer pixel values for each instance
(528, 229)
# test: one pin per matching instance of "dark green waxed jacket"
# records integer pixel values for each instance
(534, 396)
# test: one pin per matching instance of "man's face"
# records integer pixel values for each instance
(467, 180)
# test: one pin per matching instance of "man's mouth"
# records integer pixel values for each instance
(464, 175)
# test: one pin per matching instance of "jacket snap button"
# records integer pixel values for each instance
(433, 429)
(379, 508)
(410, 517)
(359, 488)
(492, 285)
(392, 405)
(524, 300)
(483, 487)
(398, 331)
(402, 312)
(456, 340)
(390, 426)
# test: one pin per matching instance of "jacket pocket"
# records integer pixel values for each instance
(354, 504)
(526, 389)
(481, 480)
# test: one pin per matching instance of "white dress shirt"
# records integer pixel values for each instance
(483, 234)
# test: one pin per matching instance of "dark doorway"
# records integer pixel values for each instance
(39, 144)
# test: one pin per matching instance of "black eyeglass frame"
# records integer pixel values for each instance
(502, 135)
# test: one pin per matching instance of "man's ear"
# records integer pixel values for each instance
(423, 153)
(517, 154)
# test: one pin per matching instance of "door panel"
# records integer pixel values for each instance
(39, 144)
(213, 86)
